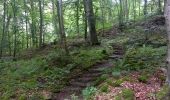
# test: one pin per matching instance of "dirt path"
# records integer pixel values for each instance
(88, 78)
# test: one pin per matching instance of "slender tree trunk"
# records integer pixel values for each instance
(54, 21)
(91, 22)
(145, 7)
(102, 12)
(26, 22)
(77, 17)
(3, 32)
(41, 23)
(167, 17)
(85, 21)
(139, 6)
(33, 24)
(127, 10)
(159, 7)
(15, 28)
(61, 25)
(121, 15)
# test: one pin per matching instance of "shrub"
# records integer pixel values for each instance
(89, 92)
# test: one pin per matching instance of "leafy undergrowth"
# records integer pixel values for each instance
(132, 88)
(140, 75)
(41, 76)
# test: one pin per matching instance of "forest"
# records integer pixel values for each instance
(85, 50)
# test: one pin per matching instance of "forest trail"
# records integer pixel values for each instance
(88, 78)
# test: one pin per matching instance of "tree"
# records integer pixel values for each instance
(3, 32)
(91, 22)
(77, 16)
(15, 25)
(159, 7)
(41, 23)
(167, 17)
(26, 22)
(61, 26)
(85, 21)
(145, 7)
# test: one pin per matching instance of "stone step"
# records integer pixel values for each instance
(102, 65)
(81, 84)
(93, 75)
(65, 96)
(72, 89)
(94, 70)
(115, 57)
(85, 79)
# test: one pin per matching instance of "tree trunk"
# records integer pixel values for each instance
(15, 28)
(102, 12)
(159, 7)
(41, 24)
(145, 7)
(85, 21)
(3, 32)
(167, 17)
(91, 22)
(61, 26)
(77, 17)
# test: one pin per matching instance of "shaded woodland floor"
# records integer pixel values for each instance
(124, 67)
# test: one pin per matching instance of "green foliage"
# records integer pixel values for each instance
(104, 88)
(162, 93)
(128, 78)
(74, 97)
(89, 92)
(88, 57)
(29, 75)
(109, 82)
(101, 79)
(128, 94)
(141, 58)
(116, 74)
(118, 83)
(143, 78)
(56, 58)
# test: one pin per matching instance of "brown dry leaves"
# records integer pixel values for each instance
(143, 91)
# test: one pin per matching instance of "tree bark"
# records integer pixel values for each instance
(41, 23)
(167, 17)
(77, 16)
(3, 32)
(145, 7)
(91, 22)
(61, 26)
